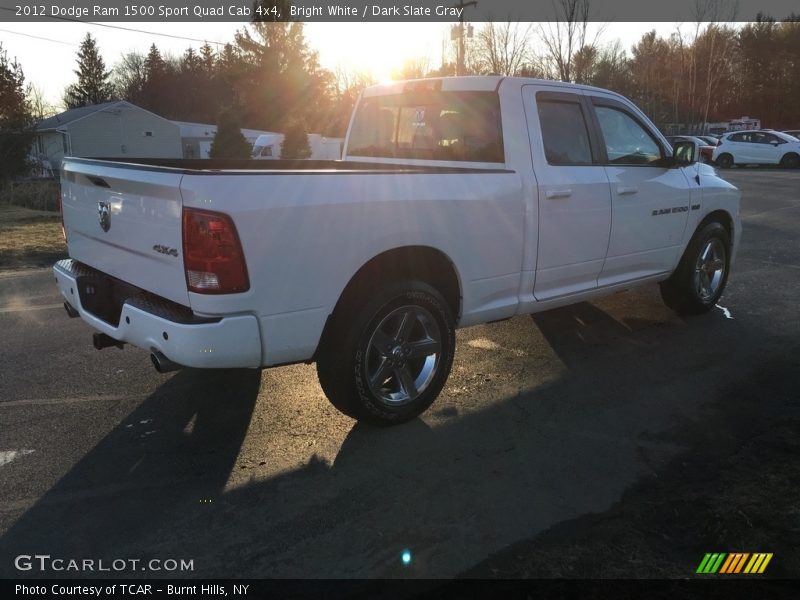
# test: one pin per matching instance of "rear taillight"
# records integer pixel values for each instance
(212, 254)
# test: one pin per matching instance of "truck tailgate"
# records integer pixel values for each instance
(126, 222)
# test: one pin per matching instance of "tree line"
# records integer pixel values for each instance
(269, 78)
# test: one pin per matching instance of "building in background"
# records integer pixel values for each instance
(196, 138)
(268, 146)
(116, 129)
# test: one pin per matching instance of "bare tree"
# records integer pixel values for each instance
(709, 44)
(129, 76)
(40, 107)
(563, 38)
(502, 48)
(413, 68)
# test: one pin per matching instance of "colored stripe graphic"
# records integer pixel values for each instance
(711, 563)
(703, 563)
(734, 563)
(740, 564)
(728, 561)
(765, 563)
(736, 559)
(758, 563)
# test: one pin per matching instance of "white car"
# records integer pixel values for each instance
(460, 200)
(757, 148)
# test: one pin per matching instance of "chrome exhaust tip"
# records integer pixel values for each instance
(70, 310)
(163, 364)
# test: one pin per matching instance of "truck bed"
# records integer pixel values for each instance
(269, 167)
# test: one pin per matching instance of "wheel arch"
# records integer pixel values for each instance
(422, 262)
(790, 153)
(722, 217)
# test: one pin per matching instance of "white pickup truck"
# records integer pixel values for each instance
(458, 201)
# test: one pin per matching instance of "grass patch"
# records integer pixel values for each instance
(29, 238)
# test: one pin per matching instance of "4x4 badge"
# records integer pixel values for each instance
(104, 210)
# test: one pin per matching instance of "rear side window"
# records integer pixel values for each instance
(737, 137)
(454, 126)
(564, 133)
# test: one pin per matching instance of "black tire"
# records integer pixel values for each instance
(689, 290)
(364, 364)
(725, 161)
(790, 161)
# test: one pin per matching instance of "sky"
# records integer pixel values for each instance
(47, 51)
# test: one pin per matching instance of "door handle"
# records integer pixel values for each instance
(558, 193)
(626, 190)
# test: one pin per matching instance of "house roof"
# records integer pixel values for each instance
(75, 114)
(60, 120)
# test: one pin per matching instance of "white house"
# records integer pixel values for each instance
(196, 138)
(268, 146)
(115, 129)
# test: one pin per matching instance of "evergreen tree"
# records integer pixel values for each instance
(229, 141)
(295, 140)
(16, 120)
(208, 58)
(156, 77)
(93, 86)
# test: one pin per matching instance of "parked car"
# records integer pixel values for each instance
(793, 132)
(706, 149)
(459, 201)
(710, 139)
(758, 148)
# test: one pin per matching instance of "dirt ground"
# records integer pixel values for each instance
(29, 238)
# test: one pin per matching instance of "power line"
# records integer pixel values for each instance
(168, 35)
(37, 37)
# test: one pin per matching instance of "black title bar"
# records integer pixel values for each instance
(390, 11)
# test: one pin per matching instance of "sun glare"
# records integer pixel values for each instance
(378, 49)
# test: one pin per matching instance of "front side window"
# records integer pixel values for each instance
(564, 133)
(627, 142)
(453, 126)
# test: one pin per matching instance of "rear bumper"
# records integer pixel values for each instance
(145, 322)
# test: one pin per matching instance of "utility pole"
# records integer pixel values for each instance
(460, 62)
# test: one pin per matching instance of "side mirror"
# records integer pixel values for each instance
(685, 153)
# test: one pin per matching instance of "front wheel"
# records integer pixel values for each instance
(698, 282)
(386, 358)
(790, 161)
(725, 161)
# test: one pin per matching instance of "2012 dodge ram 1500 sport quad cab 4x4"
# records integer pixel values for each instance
(459, 201)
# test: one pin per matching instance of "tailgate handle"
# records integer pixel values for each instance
(98, 181)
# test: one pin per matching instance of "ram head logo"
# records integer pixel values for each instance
(104, 210)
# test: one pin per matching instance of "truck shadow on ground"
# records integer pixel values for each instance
(452, 494)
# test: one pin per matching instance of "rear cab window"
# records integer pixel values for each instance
(461, 126)
(565, 134)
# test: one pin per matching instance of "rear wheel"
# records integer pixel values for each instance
(701, 276)
(725, 161)
(790, 161)
(386, 358)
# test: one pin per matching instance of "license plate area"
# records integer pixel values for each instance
(104, 296)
